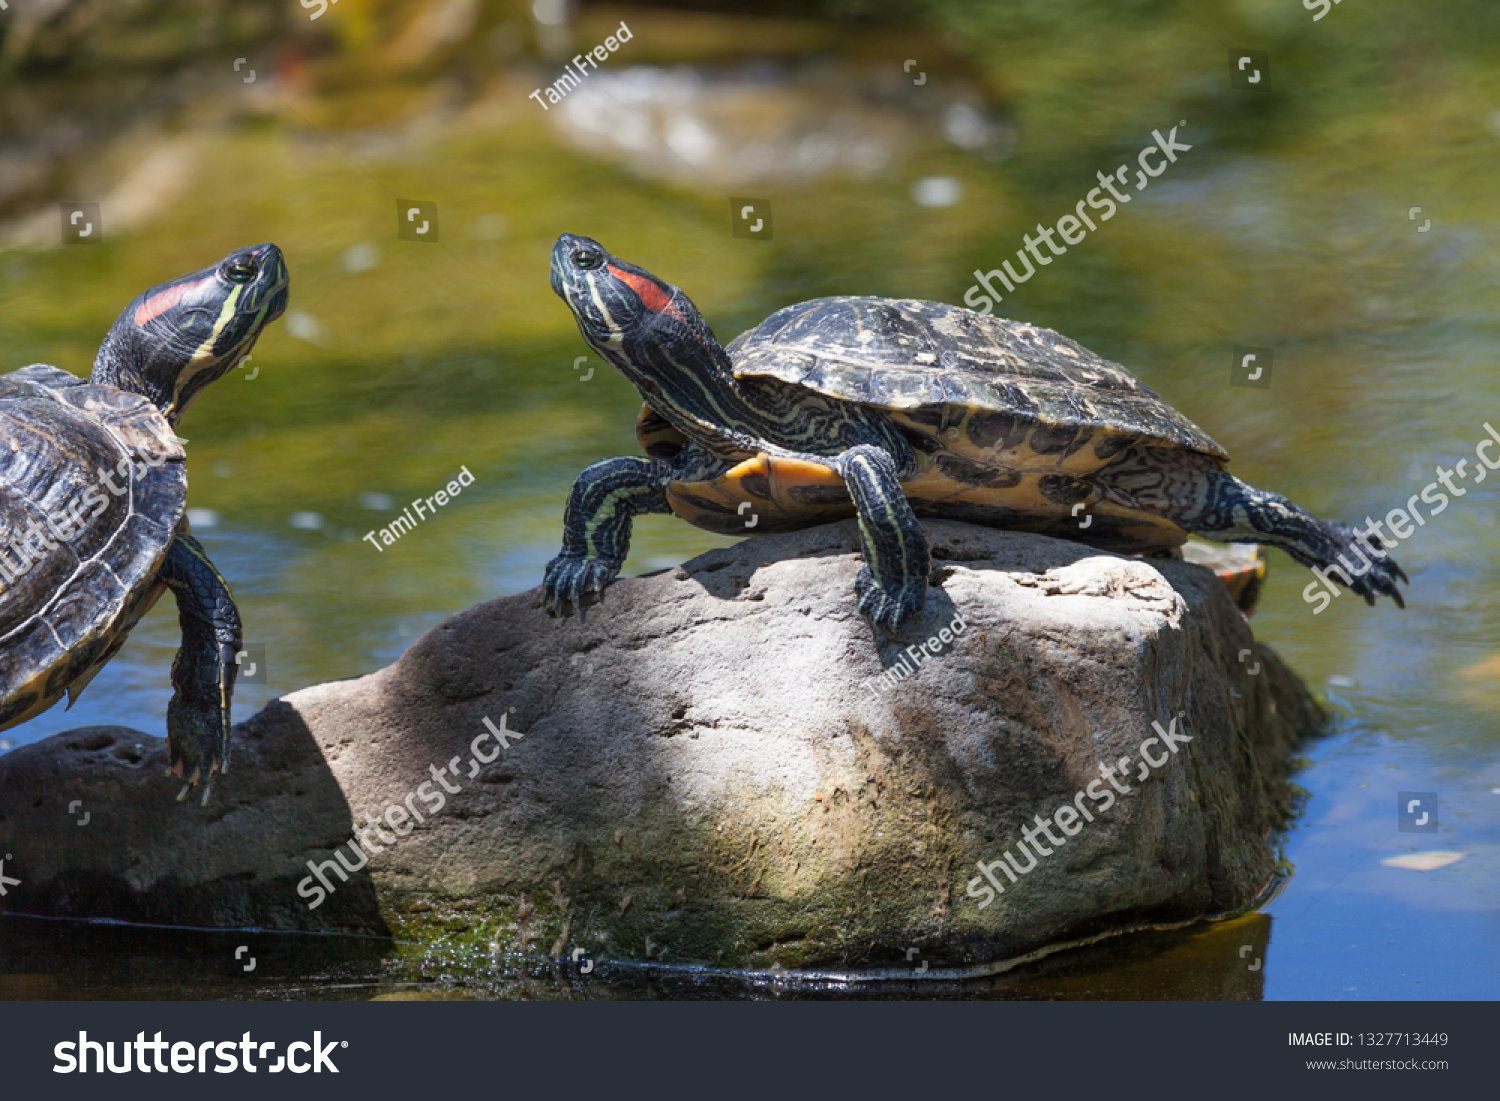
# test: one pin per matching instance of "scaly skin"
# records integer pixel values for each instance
(204, 670)
(606, 498)
(169, 345)
(659, 341)
(892, 585)
(1196, 493)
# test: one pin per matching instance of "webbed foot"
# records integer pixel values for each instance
(572, 584)
(1381, 573)
(198, 728)
(889, 607)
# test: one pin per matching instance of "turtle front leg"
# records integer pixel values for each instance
(893, 582)
(606, 497)
(204, 670)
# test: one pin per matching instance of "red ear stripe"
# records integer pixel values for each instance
(652, 297)
(159, 303)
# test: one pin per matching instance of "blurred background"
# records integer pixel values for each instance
(895, 148)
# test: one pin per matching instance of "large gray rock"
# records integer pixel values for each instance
(711, 769)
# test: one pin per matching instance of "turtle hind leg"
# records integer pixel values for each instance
(1330, 548)
(1196, 493)
(605, 498)
(204, 669)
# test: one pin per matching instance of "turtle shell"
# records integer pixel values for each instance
(906, 355)
(1011, 422)
(92, 491)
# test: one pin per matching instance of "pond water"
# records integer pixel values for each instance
(1291, 226)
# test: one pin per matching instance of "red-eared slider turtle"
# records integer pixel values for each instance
(93, 489)
(887, 409)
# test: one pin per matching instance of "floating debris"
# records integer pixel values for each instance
(1489, 667)
(1422, 862)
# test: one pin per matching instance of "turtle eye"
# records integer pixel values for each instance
(585, 259)
(239, 273)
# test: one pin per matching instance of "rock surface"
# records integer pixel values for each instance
(711, 770)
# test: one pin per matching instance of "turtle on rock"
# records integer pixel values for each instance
(93, 491)
(889, 409)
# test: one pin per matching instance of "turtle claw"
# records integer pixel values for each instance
(1381, 574)
(572, 584)
(207, 791)
(198, 742)
(888, 607)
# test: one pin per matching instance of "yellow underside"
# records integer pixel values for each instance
(717, 505)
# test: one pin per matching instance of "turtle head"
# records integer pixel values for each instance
(180, 336)
(649, 330)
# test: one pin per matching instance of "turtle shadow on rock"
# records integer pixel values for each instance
(726, 572)
(729, 573)
(93, 831)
